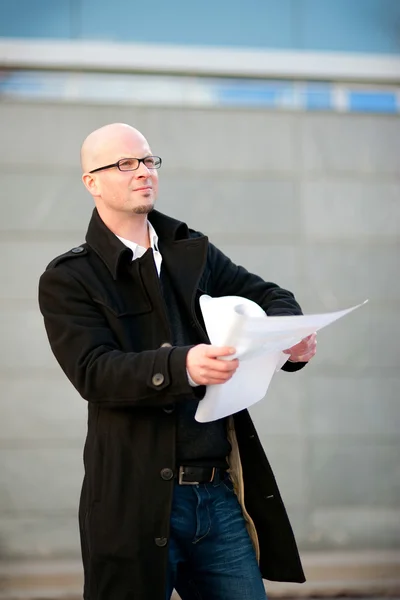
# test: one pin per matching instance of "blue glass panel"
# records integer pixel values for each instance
(255, 93)
(372, 102)
(317, 97)
(350, 25)
(30, 19)
(334, 25)
(254, 23)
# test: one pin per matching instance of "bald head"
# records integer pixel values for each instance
(108, 144)
(119, 195)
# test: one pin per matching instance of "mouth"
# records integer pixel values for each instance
(144, 188)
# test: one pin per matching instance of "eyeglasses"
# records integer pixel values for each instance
(131, 164)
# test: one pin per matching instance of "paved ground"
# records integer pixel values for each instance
(329, 575)
(175, 597)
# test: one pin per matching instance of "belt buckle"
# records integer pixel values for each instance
(180, 478)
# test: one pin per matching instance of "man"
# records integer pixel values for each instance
(166, 501)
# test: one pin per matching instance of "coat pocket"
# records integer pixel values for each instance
(137, 306)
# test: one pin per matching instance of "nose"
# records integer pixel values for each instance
(143, 171)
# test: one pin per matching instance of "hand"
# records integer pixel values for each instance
(304, 350)
(204, 367)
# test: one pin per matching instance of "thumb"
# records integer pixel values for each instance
(214, 351)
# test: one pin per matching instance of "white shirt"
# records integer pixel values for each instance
(138, 251)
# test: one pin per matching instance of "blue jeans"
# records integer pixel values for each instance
(211, 556)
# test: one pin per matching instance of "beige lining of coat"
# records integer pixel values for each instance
(236, 475)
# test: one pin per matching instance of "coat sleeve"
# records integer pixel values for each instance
(87, 351)
(228, 279)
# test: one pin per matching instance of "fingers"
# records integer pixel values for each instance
(301, 357)
(304, 350)
(211, 381)
(304, 345)
(215, 371)
(211, 377)
(216, 351)
(215, 378)
(221, 366)
(205, 366)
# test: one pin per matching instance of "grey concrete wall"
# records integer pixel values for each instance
(310, 201)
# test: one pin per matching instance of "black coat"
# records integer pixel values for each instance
(107, 326)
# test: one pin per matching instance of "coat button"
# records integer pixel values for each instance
(169, 409)
(77, 250)
(166, 345)
(167, 474)
(157, 379)
(160, 542)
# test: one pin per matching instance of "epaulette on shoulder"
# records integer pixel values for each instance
(73, 253)
(195, 234)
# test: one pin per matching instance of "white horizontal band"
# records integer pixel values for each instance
(233, 62)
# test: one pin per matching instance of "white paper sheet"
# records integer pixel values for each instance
(259, 341)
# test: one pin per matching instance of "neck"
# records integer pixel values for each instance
(132, 227)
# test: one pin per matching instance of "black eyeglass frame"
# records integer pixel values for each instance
(140, 160)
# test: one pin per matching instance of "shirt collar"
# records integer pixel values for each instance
(134, 247)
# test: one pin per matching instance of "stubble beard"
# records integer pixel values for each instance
(143, 209)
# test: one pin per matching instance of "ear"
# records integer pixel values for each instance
(90, 183)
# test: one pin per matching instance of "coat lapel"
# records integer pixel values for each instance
(185, 261)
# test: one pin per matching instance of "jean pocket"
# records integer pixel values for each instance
(228, 484)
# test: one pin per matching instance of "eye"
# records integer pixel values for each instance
(128, 164)
(150, 162)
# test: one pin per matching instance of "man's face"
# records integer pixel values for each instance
(126, 191)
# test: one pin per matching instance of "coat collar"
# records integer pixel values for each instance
(114, 253)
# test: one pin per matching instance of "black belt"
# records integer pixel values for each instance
(196, 475)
